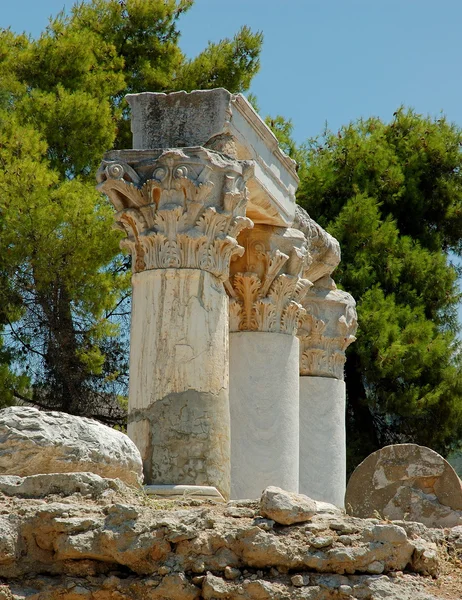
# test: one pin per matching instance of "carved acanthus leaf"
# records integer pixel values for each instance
(327, 329)
(275, 260)
(181, 208)
(270, 291)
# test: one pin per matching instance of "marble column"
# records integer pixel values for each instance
(328, 327)
(182, 211)
(265, 289)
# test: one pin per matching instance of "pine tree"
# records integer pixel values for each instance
(63, 281)
(391, 193)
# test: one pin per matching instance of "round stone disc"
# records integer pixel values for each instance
(405, 481)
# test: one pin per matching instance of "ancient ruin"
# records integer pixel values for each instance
(238, 343)
(406, 481)
(238, 332)
(89, 538)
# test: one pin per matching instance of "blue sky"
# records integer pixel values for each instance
(324, 60)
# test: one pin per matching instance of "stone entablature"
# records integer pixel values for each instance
(227, 123)
(328, 327)
(181, 208)
(266, 284)
(324, 249)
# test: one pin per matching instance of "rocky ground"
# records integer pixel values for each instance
(80, 537)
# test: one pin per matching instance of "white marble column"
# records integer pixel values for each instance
(266, 288)
(179, 410)
(328, 327)
(264, 412)
(322, 439)
(182, 210)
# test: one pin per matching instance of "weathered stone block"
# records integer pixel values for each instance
(34, 442)
(286, 508)
(227, 123)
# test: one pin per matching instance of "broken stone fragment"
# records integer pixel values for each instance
(286, 508)
(406, 482)
(300, 580)
(64, 484)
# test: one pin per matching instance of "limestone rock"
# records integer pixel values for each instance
(409, 482)
(65, 484)
(125, 546)
(34, 442)
(79, 536)
(177, 587)
(286, 508)
(421, 507)
(327, 507)
(425, 558)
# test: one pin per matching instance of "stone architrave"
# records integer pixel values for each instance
(225, 122)
(327, 328)
(266, 288)
(182, 210)
(408, 482)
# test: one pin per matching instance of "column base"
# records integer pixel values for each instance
(180, 492)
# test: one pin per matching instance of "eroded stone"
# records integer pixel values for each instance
(34, 442)
(286, 508)
(409, 482)
(65, 484)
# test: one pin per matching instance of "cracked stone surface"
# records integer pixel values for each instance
(406, 481)
(117, 544)
(34, 441)
(179, 408)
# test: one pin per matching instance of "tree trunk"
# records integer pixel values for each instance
(65, 374)
(362, 435)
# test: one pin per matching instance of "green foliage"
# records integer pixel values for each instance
(63, 283)
(391, 193)
(282, 129)
(411, 166)
(211, 69)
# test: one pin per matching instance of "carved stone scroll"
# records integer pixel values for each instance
(324, 249)
(181, 208)
(266, 286)
(328, 328)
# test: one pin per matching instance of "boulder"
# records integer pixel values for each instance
(62, 484)
(286, 508)
(409, 482)
(34, 442)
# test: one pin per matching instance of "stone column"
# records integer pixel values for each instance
(182, 211)
(327, 328)
(266, 289)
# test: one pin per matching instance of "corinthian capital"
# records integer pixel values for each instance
(327, 329)
(180, 208)
(266, 286)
